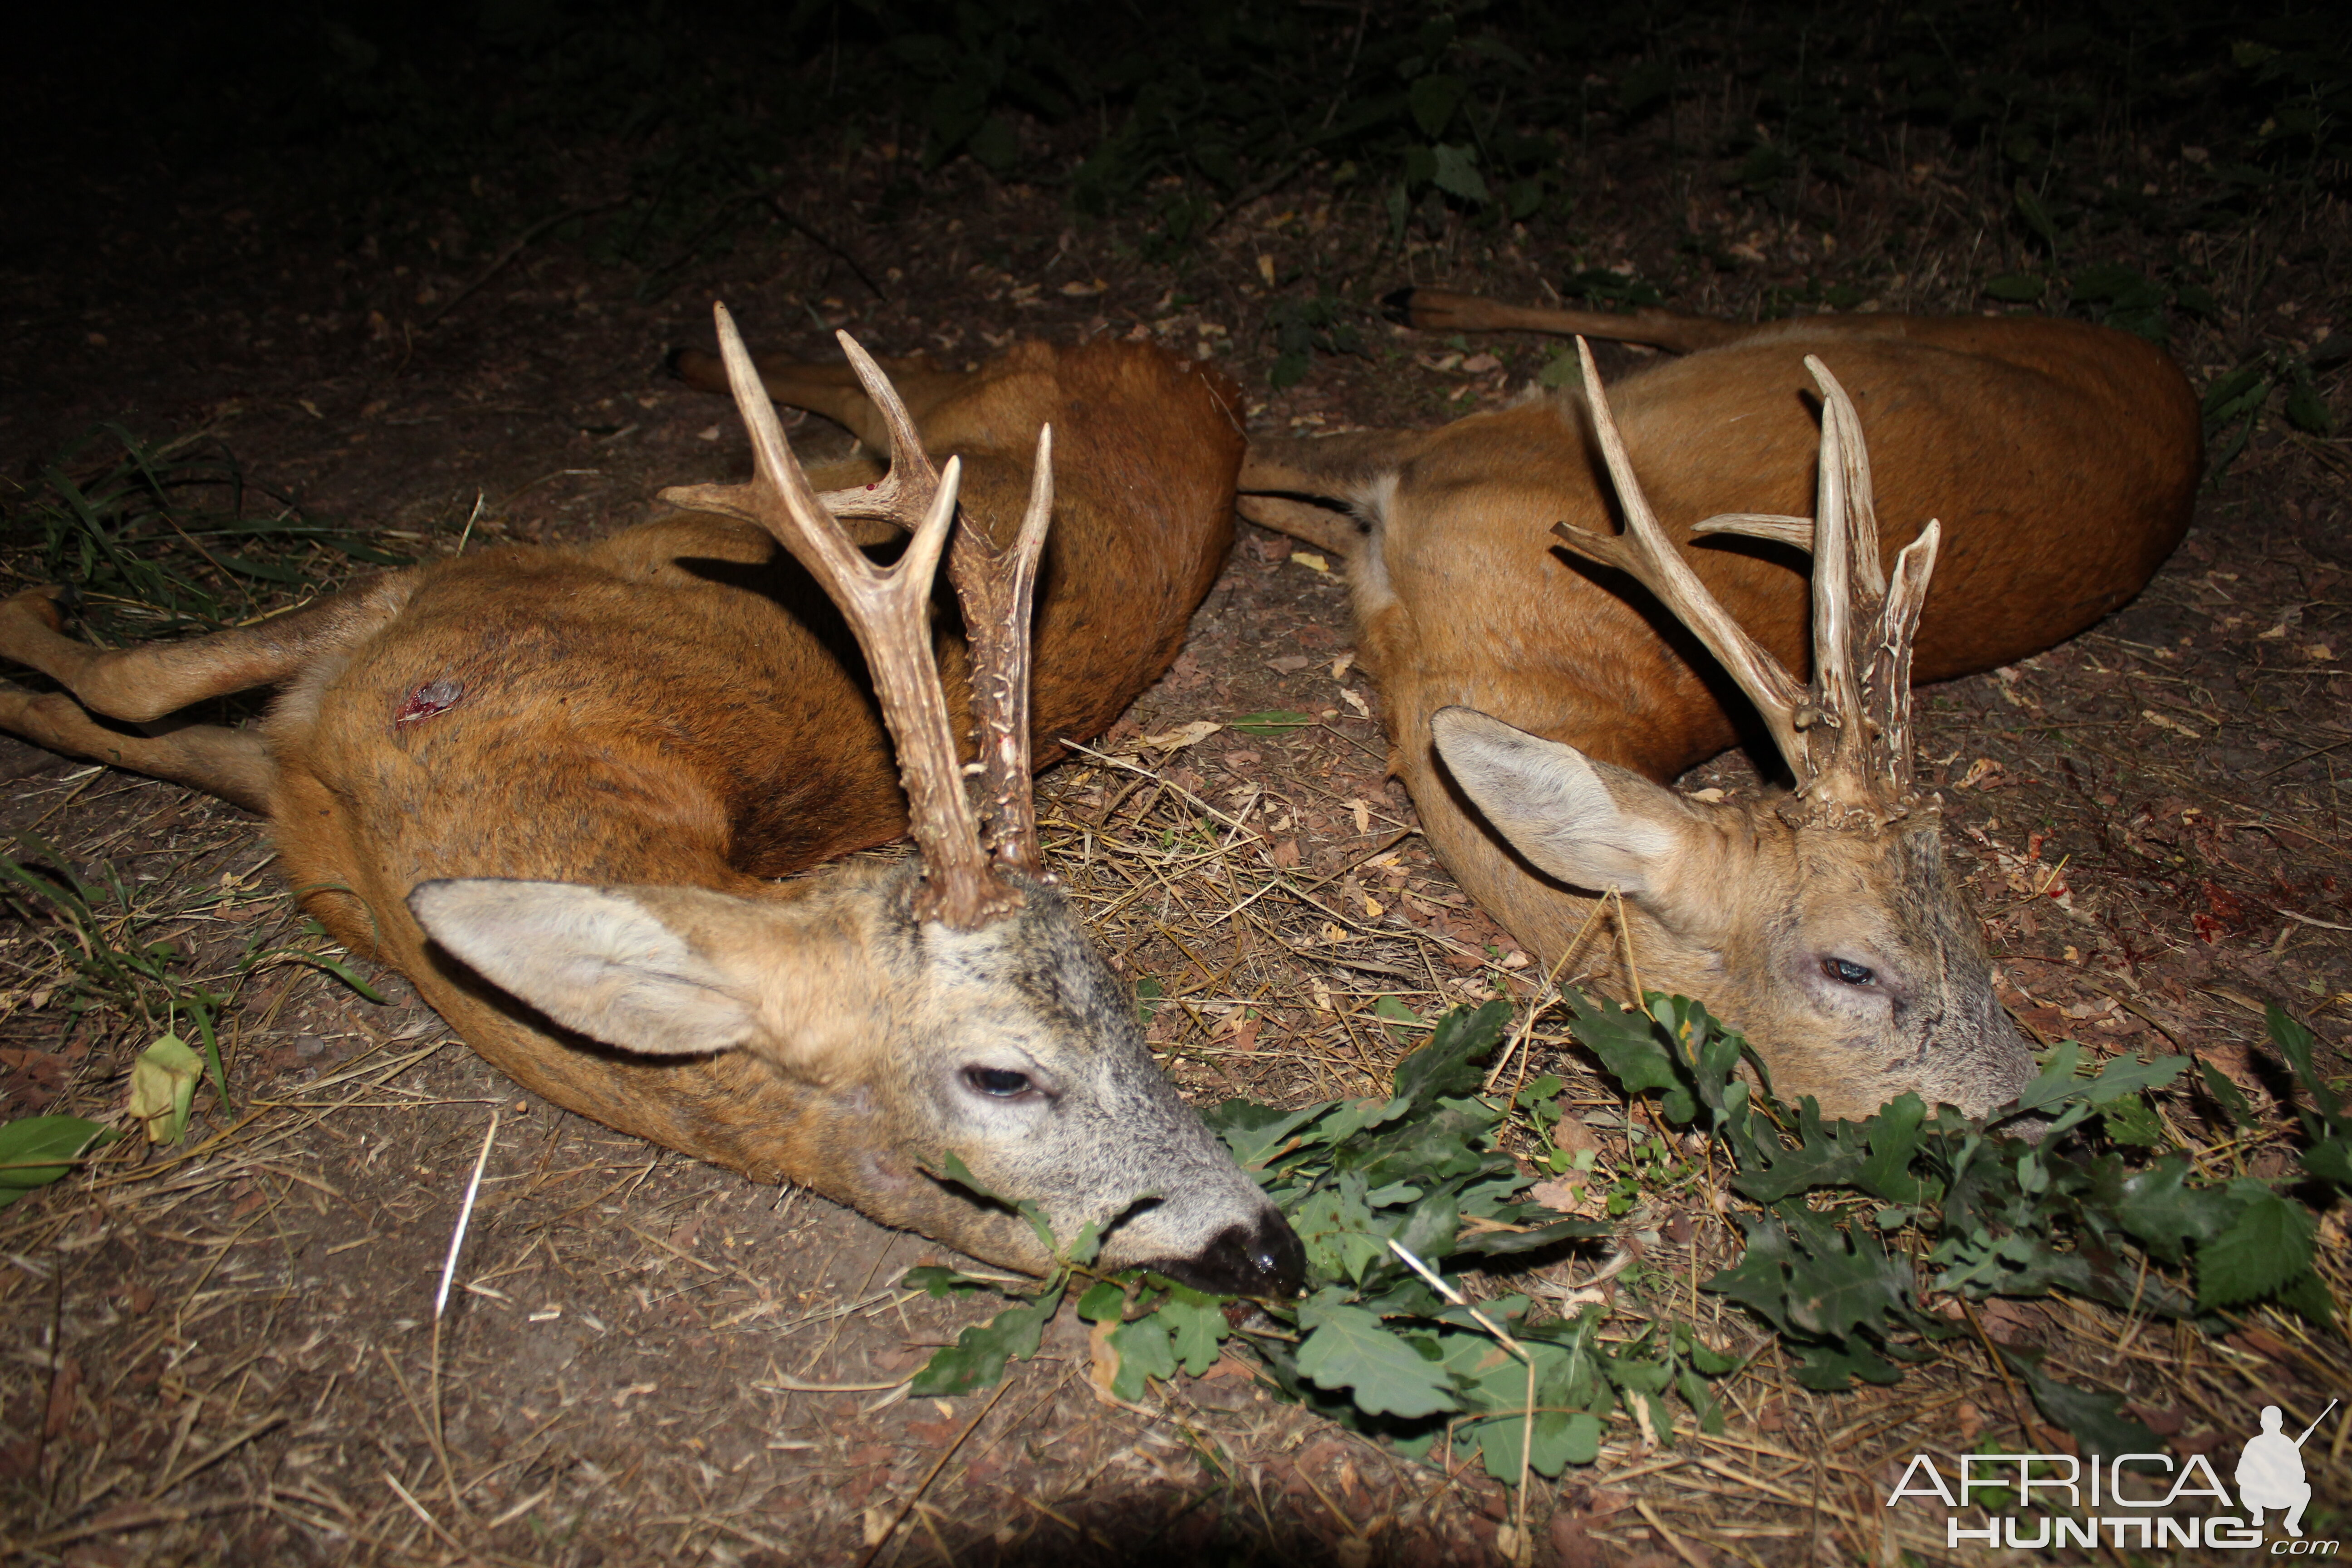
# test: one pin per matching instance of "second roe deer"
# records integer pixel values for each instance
(554, 787)
(2063, 461)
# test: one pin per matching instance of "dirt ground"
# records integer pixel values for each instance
(228, 1351)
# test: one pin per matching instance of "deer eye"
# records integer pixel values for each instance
(1001, 1082)
(1838, 969)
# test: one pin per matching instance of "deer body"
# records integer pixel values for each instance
(554, 787)
(2062, 461)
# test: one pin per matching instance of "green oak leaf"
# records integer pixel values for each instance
(1444, 1068)
(1104, 1301)
(977, 1358)
(2166, 1214)
(1196, 1326)
(2097, 1420)
(1825, 1369)
(1627, 1043)
(1348, 1347)
(1143, 1352)
(939, 1282)
(1257, 1134)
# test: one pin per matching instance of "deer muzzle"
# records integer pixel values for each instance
(1261, 1258)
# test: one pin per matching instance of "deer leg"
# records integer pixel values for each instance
(1334, 531)
(1323, 489)
(140, 684)
(1437, 310)
(231, 764)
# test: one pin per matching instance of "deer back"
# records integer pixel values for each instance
(2063, 458)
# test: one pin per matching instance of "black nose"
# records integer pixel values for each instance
(1261, 1260)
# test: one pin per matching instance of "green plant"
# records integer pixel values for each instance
(440, 133)
(2121, 296)
(2295, 73)
(1373, 1344)
(977, 1357)
(1303, 327)
(37, 1150)
(310, 937)
(1274, 722)
(1601, 286)
(156, 537)
(2236, 403)
(1991, 1214)
(117, 967)
(2327, 1129)
(1852, 1214)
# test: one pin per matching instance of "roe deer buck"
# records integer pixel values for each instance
(2063, 460)
(553, 786)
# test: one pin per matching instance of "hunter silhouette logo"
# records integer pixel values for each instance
(2065, 1499)
(2269, 1472)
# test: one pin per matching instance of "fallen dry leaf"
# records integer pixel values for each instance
(1189, 733)
(1574, 1136)
(1563, 1194)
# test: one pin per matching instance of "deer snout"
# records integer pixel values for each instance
(1260, 1259)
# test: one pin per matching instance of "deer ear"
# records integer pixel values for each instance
(598, 960)
(1590, 824)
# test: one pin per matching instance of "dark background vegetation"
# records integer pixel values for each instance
(654, 136)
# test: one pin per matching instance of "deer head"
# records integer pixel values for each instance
(950, 1005)
(1822, 922)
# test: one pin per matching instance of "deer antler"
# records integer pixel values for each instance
(907, 489)
(889, 609)
(1644, 553)
(1862, 631)
(1847, 738)
(997, 588)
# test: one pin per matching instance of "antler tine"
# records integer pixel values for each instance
(1866, 699)
(1854, 454)
(1890, 671)
(907, 488)
(997, 588)
(1644, 553)
(1837, 679)
(889, 609)
(1797, 531)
